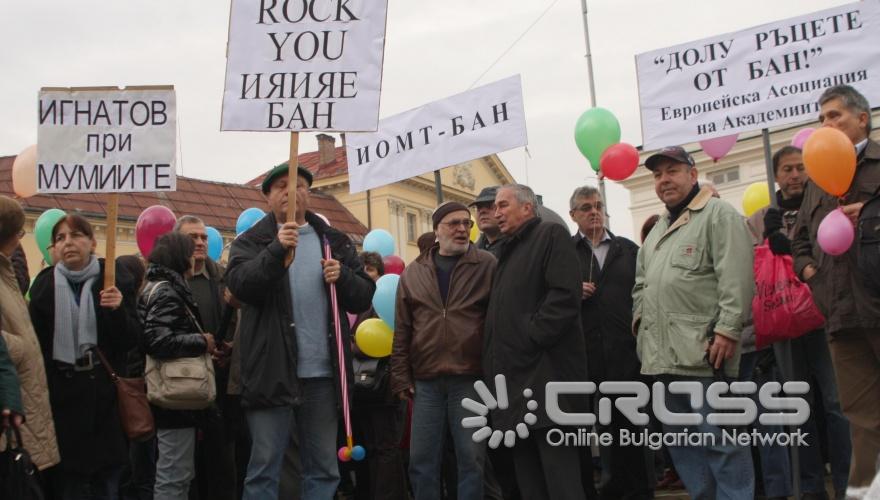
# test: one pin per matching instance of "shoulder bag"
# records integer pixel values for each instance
(180, 383)
(131, 400)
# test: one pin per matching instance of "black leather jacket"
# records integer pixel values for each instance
(169, 332)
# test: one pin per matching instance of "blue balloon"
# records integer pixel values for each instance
(247, 219)
(379, 241)
(358, 452)
(215, 243)
(385, 297)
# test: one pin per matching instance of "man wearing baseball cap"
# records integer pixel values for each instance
(441, 308)
(484, 205)
(287, 371)
(693, 289)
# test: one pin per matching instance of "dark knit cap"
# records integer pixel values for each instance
(446, 209)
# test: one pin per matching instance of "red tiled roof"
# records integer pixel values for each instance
(339, 166)
(218, 204)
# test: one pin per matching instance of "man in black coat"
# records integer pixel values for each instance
(289, 365)
(608, 273)
(532, 337)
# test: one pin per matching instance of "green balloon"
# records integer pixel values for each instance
(596, 129)
(43, 230)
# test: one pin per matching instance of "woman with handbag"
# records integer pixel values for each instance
(74, 317)
(38, 430)
(178, 365)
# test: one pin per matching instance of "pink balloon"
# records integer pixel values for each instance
(718, 147)
(153, 222)
(801, 137)
(393, 264)
(619, 161)
(836, 233)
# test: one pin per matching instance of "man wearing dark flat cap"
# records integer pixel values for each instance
(289, 367)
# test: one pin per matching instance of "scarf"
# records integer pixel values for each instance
(789, 204)
(76, 326)
(675, 211)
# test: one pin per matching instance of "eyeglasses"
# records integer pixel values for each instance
(588, 207)
(466, 223)
(74, 235)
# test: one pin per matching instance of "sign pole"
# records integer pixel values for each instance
(292, 177)
(110, 250)
(438, 187)
(783, 350)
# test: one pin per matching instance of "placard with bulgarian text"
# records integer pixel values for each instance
(106, 140)
(762, 77)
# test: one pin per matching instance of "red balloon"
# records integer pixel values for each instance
(153, 222)
(619, 161)
(393, 264)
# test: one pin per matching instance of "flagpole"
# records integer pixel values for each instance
(589, 57)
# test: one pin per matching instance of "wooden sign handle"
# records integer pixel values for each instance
(292, 177)
(110, 250)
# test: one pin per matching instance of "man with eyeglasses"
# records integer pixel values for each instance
(608, 272)
(441, 307)
(215, 455)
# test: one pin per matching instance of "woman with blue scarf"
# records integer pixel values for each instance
(73, 317)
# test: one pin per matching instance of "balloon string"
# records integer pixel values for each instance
(340, 353)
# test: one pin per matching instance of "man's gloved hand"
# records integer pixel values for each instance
(779, 243)
(772, 221)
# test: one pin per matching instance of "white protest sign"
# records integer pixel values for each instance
(761, 77)
(106, 140)
(304, 65)
(470, 125)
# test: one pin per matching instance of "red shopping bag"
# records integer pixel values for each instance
(783, 306)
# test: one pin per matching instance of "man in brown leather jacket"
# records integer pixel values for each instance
(441, 308)
(852, 313)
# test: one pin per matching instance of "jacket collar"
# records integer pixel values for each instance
(524, 230)
(871, 152)
(698, 203)
(470, 256)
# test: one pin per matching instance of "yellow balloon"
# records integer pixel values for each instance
(374, 338)
(756, 197)
(475, 231)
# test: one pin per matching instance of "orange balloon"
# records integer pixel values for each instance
(24, 172)
(830, 160)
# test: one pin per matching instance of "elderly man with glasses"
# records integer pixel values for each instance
(441, 307)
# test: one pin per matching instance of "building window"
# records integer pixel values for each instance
(411, 227)
(726, 176)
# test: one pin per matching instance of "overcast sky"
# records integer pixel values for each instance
(434, 49)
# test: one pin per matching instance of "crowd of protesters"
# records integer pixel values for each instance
(526, 304)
